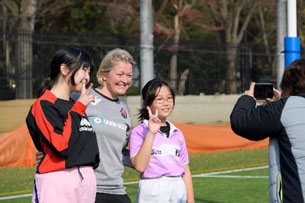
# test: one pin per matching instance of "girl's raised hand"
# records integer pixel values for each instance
(85, 96)
(154, 123)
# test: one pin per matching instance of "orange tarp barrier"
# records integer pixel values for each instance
(17, 148)
(202, 138)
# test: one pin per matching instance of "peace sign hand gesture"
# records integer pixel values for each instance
(154, 123)
(84, 97)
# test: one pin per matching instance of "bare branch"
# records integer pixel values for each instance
(12, 7)
(160, 11)
(246, 22)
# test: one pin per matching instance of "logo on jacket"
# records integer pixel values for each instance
(166, 150)
(85, 125)
(84, 122)
(156, 152)
(97, 120)
(123, 113)
(96, 100)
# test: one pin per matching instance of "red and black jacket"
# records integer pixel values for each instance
(61, 130)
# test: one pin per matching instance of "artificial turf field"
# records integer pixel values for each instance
(238, 176)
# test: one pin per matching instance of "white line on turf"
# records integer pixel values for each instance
(230, 176)
(206, 175)
(229, 171)
(15, 196)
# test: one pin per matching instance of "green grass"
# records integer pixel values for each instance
(19, 180)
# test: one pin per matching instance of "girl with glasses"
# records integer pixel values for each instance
(158, 149)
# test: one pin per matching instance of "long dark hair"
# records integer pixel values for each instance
(293, 81)
(149, 93)
(73, 58)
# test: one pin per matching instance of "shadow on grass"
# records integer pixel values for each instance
(205, 200)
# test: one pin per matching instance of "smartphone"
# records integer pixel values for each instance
(263, 90)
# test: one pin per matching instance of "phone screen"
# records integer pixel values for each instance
(263, 90)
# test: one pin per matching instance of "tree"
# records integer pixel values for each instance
(22, 19)
(233, 16)
(93, 17)
(300, 21)
(262, 31)
(170, 25)
(223, 21)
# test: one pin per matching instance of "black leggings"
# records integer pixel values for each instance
(111, 198)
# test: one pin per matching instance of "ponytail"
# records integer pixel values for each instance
(46, 84)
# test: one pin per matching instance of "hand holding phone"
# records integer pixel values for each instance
(263, 91)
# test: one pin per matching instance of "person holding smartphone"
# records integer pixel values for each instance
(282, 119)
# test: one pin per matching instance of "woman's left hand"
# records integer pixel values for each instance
(250, 92)
(276, 95)
(39, 155)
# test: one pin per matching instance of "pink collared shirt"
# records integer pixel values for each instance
(168, 154)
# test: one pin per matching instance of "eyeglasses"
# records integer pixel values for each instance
(161, 100)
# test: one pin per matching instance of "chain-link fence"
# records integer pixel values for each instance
(201, 67)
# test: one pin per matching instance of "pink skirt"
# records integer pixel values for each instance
(76, 184)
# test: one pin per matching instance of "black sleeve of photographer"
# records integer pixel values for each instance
(256, 122)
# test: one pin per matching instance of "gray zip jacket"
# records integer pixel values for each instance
(283, 121)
